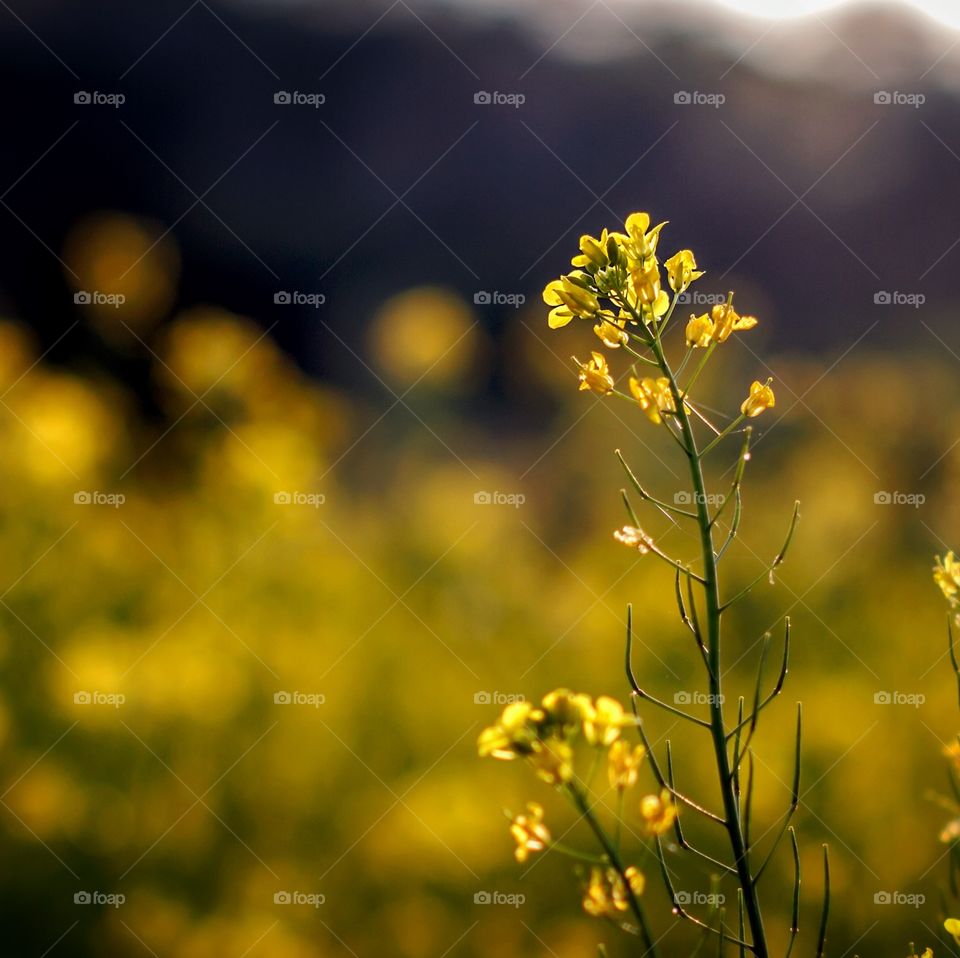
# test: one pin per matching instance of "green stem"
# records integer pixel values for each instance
(718, 730)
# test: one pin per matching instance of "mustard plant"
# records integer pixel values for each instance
(617, 286)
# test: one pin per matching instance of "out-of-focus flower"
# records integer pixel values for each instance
(602, 723)
(595, 374)
(761, 399)
(682, 270)
(529, 832)
(658, 812)
(653, 395)
(946, 574)
(606, 894)
(952, 927)
(634, 538)
(552, 760)
(623, 764)
(513, 734)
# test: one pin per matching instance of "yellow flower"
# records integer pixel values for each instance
(658, 812)
(726, 321)
(513, 734)
(565, 709)
(595, 374)
(947, 575)
(703, 331)
(529, 832)
(598, 253)
(606, 895)
(682, 270)
(568, 300)
(700, 331)
(760, 399)
(952, 926)
(952, 752)
(634, 537)
(653, 395)
(611, 332)
(950, 832)
(623, 763)
(643, 240)
(553, 761)
(602, 724)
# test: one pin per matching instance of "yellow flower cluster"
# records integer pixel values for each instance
(617, 285)
(529, 832)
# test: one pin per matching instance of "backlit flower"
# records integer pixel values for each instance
(634, 537)
(568, 300)
(947, 575)
(602, 724)
(952, 926)
(552, 760)
(595, 374)
(682, 270)
(760, 399)
(611, 332)
(653, 395)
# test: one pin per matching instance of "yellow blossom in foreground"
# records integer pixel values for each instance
(699, 331)
(568, 300)
(598, 253)
(565, 709)
(529, 832)
(643, 240)
(658, 812)
(623, 764)
(634, 538)
(653, 395)
(761, 398)
(952, 926)
(946, 574)
(682, 270)
(602, 723)
(595, 374)
(512, 735)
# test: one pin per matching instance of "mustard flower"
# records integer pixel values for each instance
(529, 832)
(653, 395)
(552, 760)
(761, 398)
(598, 253)
(514, 734)
(602, 723)
(611, 332)
(569, 300)
(606, 894)
(947, 575)
(595, 374)
(643, 240)
(699, 331)
(723, 320)
(952, 927)
(658, 812)
(682, 270)
(623, 764)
